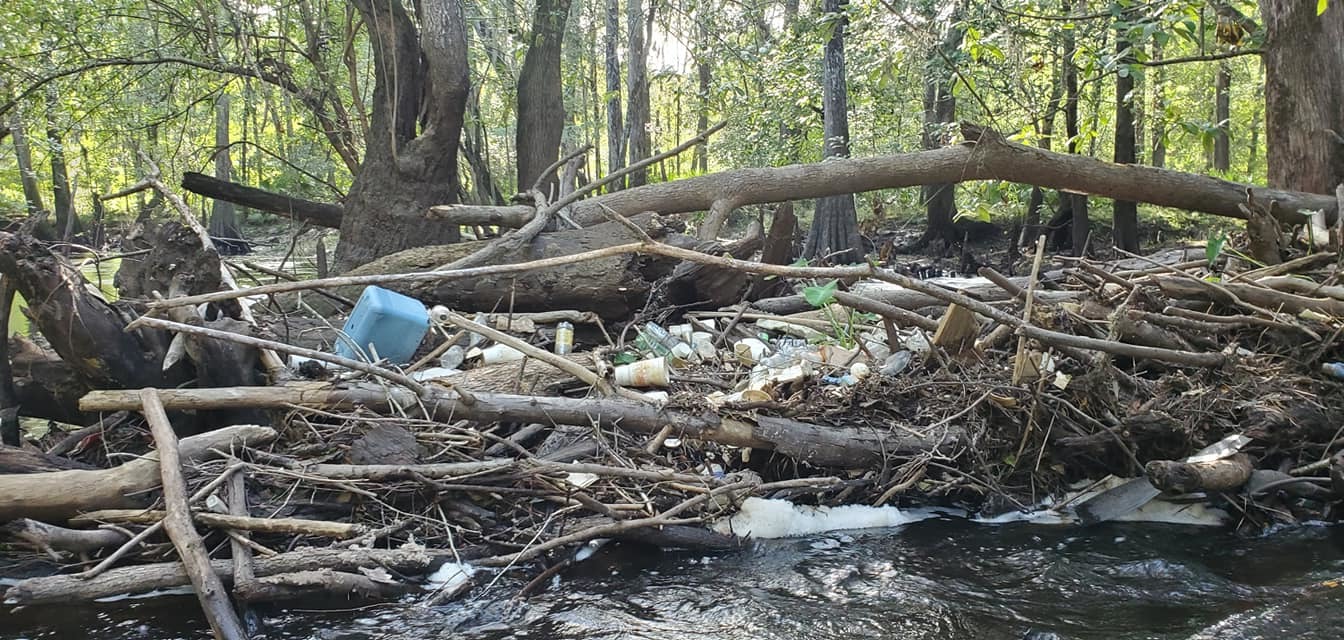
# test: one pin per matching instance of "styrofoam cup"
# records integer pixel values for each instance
(645, 373)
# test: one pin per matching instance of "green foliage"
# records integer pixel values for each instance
(821, 295)
(765, 80)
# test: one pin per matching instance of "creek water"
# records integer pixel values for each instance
(938, 578)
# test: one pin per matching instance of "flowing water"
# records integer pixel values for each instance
(938, 578)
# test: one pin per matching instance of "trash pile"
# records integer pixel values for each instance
(415, 435)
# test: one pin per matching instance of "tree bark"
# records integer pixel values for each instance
(1222, 118)
(992, 158)
(940, 108)
(835, 446)
(67, 222)
(1078, 221)
(223, 216)
(615, 137)
(320, 214)
(704, 78)
(32, 191)
(637, 83)
(1125, 213)
(541, 104)
(1304, 101)
(419, 101)
(57, 495)
(834, 234)
(1157, 154)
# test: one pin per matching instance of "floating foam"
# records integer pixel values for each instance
(450, 577)
(765, 518)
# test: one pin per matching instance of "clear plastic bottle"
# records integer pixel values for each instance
(564, 338)
(658, 340)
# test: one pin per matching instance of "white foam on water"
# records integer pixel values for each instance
(766, 518)
(450, 577)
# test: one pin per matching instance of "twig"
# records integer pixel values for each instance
(545, 173)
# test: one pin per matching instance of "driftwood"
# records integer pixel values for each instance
(58, 495)
(1174, 476)
(294, 526)
(613, 286)
(818, 445)
(65, 589)
(51, 539)
(224, 621)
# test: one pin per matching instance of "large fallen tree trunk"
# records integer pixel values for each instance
(614, 287)
(85, 330)
(321, 214)
(815, 444)
(984, 156)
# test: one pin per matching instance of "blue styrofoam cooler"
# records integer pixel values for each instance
(393, 323)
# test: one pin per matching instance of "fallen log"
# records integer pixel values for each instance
(58, 495)
(289, 526)
(984, 156)
(818, 445)
(65, 589)
(1174, 476)
(320, 214)
(50, 539)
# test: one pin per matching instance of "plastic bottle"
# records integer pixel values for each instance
(658, 340)
(564, 338)
(1334, 369)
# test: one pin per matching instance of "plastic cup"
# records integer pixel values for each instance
(645, 373)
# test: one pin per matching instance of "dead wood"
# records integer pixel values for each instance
(224, 621)
(58, 495)
(319, 214)
(82, 328)
(818, 445)
(1174, 476)
(65, 589)
(51, 539)
(288, 526)
(985, 156)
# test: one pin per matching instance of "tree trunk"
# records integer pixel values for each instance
(615, 137)
(32, 191)
(940, 108)
(1125, 214)
(541, 103)
(1031, 228)
(1157, 155)
(1222, 118)
(223, 215)
(835, 225)
(420, 85)
(637, 82)
(67, 223)
(704, 76)
(1076, 207)
(1304, 94)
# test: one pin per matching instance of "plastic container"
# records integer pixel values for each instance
(384, 324)
(658, 340)
(1334, 369)
(645, 373)
(564, 338)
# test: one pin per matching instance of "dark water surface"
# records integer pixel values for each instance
(943, 578)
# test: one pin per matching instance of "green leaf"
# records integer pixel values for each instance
(1214, 247)
(820, 296)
